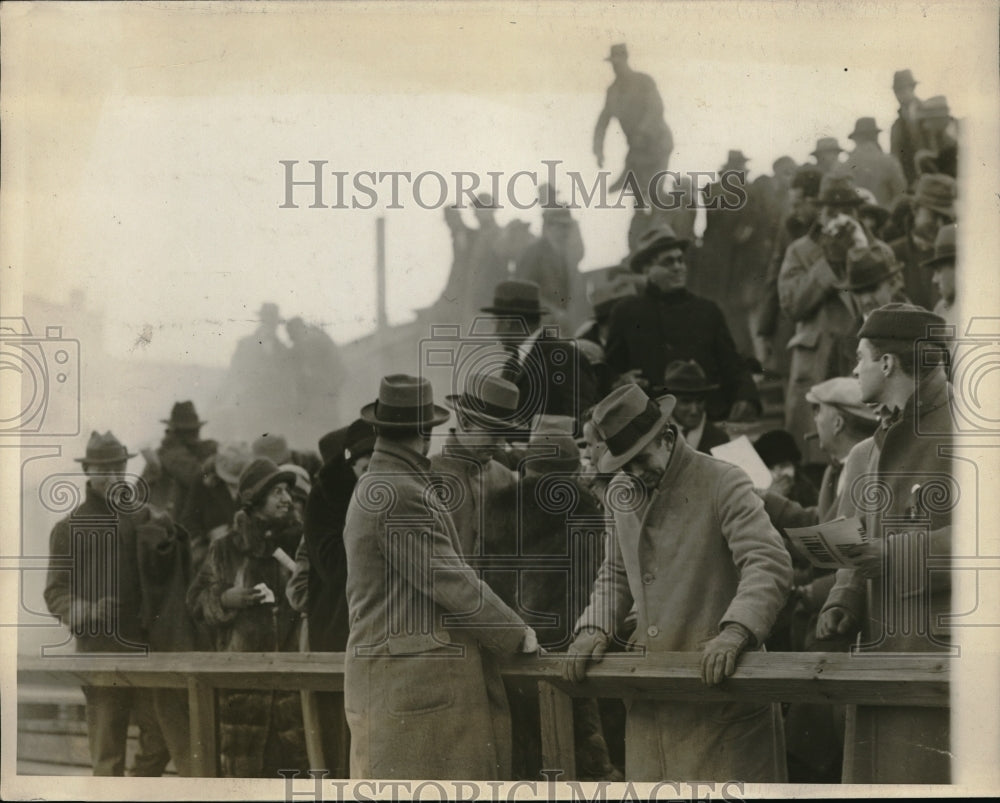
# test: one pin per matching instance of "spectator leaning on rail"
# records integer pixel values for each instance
(899, 604)
(240, 594)
(693, 548)
(423, 695)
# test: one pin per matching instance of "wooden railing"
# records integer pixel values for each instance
(919, 681)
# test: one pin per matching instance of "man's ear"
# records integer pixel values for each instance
(839, 424)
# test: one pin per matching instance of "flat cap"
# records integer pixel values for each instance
(844, 393)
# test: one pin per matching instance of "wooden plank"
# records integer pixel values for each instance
(202, 714)
(556, 710)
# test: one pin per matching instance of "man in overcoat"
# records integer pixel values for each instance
(900, 482)
(706, 571)
(424, 697)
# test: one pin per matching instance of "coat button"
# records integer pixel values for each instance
(652, 631)
(648, 578)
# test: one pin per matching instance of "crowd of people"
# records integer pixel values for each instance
(836, 277)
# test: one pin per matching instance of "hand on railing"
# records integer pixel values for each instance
(589, 645)
(835, 622)
(719, 658)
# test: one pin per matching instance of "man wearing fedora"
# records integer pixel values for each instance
(825, 316)
(707, 573)
(873, 277)
(827, 154)
(937, 134)
(552, 376)
(905, 137)
(423, 693)
(942, 267)
(686, 383)
(904, 475)
(175, 467)
(933, 207)
(635, 102)
(668, 322)
(147, 556)
(871, 167)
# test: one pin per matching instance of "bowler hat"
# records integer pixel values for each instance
(906, 322)
(627, 420)
(656, 239)
(230, 461)
(516, 297)
(824, 144)
(865, 127)
(273, 447)
(488, 400)
(902, 78)
(104, 449)
(618, 52)
(260, 475)
(937, 192)
(404, 402)
(844, 393)
(608, 293)
(944, 247)
(838, 189)
(867, 267)
(557, 452)
(777, 446)
(684, 378)
(183, 416)
(931, 108)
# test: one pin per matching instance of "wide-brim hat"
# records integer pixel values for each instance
(944, 247)
(516, 297)
(488, 400)
(627, 420)
(867, 267)
(104, 450)
(653, 241)
(183, 416)
(683, 378)
(826, 144)
(865, 126)
(260, 475)
(839, 189)
(735, 160)
(931, 108)
(937, 192)
(404, 402)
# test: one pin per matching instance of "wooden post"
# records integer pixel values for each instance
(556, 710)
(204, 745)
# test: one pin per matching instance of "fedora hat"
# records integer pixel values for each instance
(627, 420)
(652, 242)
(230, 461)
(839, 189)
(104, 449)
(617, 52)
(404, 402)
(735, 160)
(183, 416)
(683, 377)
(902, 78)
(865, 127)
(944, 247)
(491, 402)
(558, 453)
(936, 106)
(824, 144)
(869, 266)
(516, 297)
(260, 475)
(937, 192)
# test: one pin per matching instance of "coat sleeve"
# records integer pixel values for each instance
(803, 287)
(420, 550)
(324, 535)
(616, 354)
(784, 512)
(763, 563)
(204, 598)
(611, 597)
(57, 582)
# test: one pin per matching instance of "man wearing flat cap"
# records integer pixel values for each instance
(635, 102)
(900, 483)
(871, 167)
(668, 322)
(423, 693)
(693, 549)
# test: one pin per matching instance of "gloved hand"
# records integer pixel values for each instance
(590, 644)
(239, 597)
(718, 659)
(835, 622)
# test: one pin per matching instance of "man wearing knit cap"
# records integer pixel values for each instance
(904, 475)
(707, 572)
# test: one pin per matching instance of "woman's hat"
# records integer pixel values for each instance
(404, 402)
(259, 477)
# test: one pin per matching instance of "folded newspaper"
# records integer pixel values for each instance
(740, 452)
(831, 545)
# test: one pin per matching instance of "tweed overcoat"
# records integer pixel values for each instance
(423, 694)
